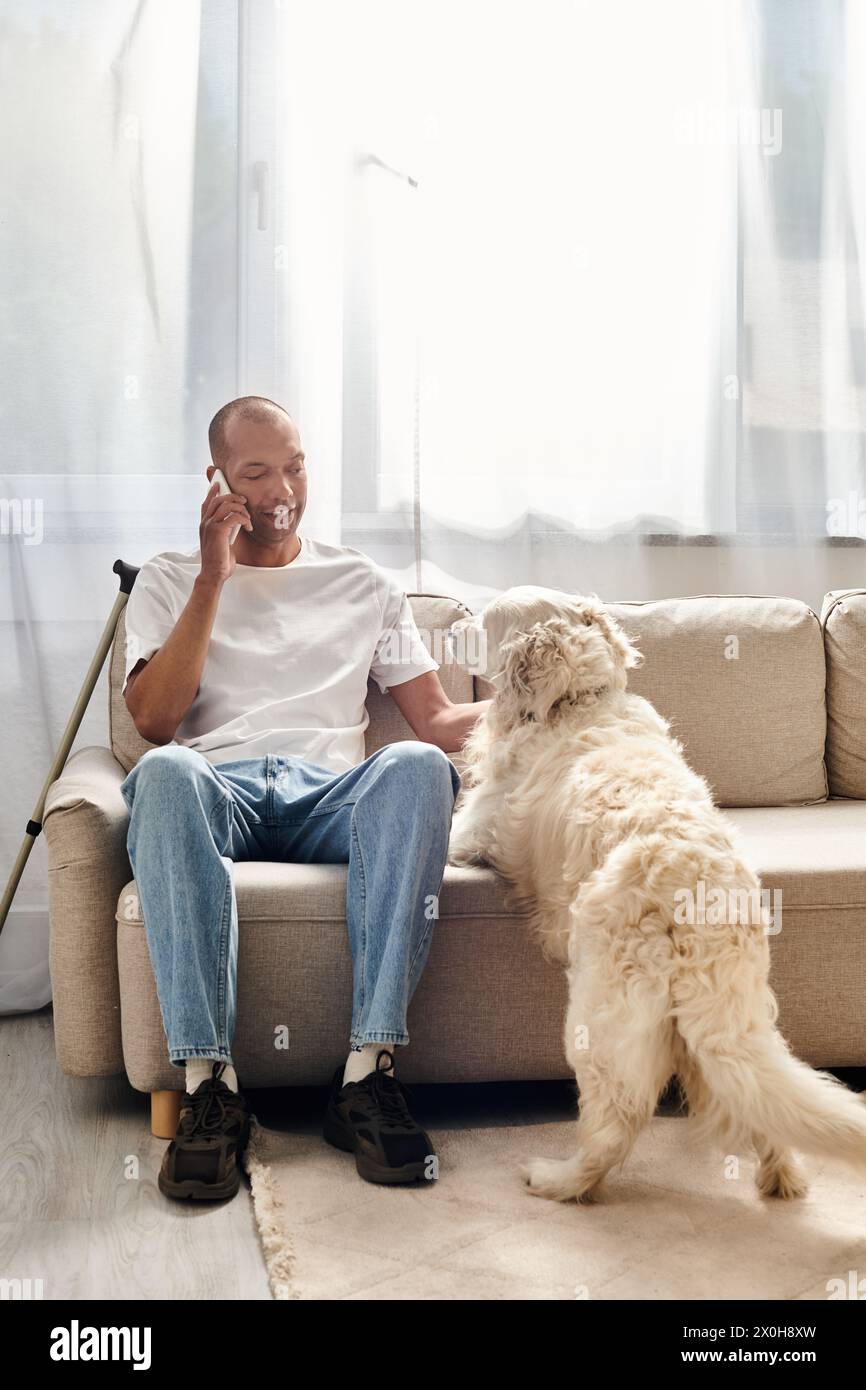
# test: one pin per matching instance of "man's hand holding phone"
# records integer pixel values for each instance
(222, 514)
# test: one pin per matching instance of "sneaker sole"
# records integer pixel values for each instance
(336, 1134)
(196, 1190)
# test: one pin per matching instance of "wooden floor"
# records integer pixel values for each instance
(79, 1204)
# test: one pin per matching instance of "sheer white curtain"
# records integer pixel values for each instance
(804, 295)
(592, 279)
(535, 254)
(561, 216)
(117, 275)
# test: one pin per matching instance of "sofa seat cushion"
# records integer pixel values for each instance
(488, 1007)
(290, 892)
(815, 854)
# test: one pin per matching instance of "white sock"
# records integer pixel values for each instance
(361, 1061)
(199, 1069)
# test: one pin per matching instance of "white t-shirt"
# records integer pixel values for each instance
(290, 653)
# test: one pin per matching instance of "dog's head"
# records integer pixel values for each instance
(541, 647)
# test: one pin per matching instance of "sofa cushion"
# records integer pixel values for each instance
(488, 1007)
(815, 855)
(434, 614)
(753, 723)
(843, 616)
(741, 678)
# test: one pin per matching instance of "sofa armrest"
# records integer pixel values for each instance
(85, 823)
(92, 777)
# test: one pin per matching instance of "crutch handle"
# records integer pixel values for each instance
(127, 575)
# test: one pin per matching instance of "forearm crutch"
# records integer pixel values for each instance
(127, 575)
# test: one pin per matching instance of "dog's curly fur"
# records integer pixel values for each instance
(577, 793)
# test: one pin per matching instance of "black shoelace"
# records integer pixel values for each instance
(390, 1095)
(207, 1108)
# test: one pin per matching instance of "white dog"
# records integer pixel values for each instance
(577, 793)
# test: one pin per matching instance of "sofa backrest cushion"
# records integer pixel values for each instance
(843, 616)
(741, 678)
(434, 615)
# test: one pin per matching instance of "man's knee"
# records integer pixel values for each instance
(428, 761)
(170, 764)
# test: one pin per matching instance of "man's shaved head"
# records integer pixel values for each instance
(256, 409)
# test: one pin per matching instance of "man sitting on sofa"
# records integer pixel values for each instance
(247, 664)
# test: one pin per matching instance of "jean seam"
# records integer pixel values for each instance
(363, 963)
(389, 1036)
(197, 1050)
(329, 810)
(250, 817)
(219, 806)
(222, 964)
(420, 948)
(270, 784)
(311, 815)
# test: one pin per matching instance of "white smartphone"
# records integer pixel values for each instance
(219, 477)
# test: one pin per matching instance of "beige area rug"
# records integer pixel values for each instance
(671, 1225)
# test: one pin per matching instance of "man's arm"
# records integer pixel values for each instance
(432, 716)
(159, 693)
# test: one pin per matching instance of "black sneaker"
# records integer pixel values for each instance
(202, 1161)
(370, 1119)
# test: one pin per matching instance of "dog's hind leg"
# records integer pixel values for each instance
(758, 1091)
(618, 1038)
(618, 1097)
(778, 1173)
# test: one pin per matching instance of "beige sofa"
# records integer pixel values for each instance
(770, 703)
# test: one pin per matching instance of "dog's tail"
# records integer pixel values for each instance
(752, 1089)
(744, 1083)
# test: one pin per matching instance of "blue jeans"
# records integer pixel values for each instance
(389, 818)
